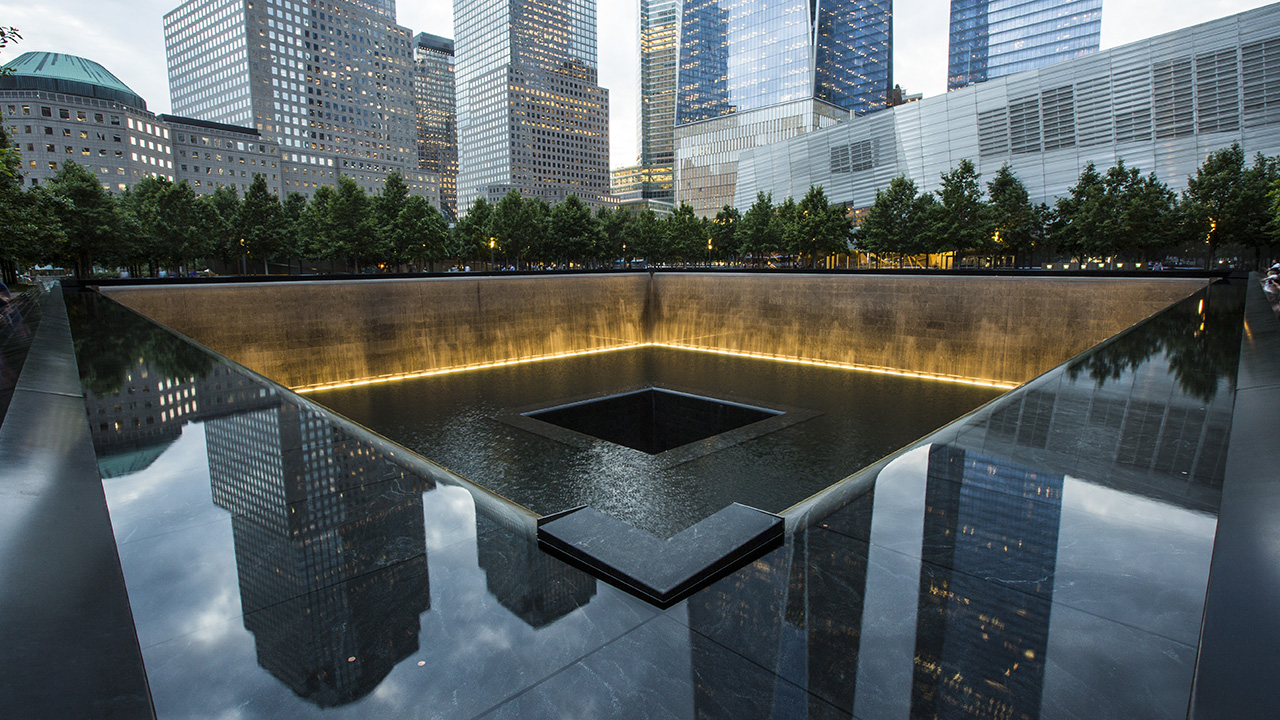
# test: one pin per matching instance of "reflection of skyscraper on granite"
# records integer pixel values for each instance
(537, 588)
(330, 549)
(780, 613)
(1153, 408)
(990, 526)
(133, 424)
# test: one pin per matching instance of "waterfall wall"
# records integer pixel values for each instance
(312, 334)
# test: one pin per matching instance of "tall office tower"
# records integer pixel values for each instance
(530, 114)
(994, 38)
(754, 73)
(328, 80)
(659, 43)
(437, 115)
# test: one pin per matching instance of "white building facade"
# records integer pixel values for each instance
(1162, 104)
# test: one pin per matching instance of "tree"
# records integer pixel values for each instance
(1143, 210)
(509, 226)
(89, 217)
(293, 212)
(962, 224)
(723, 229)
(261, 222)
(351, 228)
(645, 232)
(1080, 219)
(899, 222)
(384, 209)
(471, 233)
(614, 233)
(1224, 204)
(576, 229)
(817, 228)
(32, 234)
(685, 236)
(424, 230)
(1010, 214)
(759, 234)
(317, 241)
(223, 213)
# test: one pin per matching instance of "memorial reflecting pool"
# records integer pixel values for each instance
(1045, 556)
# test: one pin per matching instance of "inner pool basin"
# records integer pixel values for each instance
(638, 495)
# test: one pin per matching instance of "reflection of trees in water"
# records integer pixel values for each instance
(1200, 337)
(109, 341)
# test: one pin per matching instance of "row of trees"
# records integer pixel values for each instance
(1118, 214)
(528, 232)
(73, 222)
(1121, 214)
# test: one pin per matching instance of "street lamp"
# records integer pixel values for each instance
(708, 252)
(492, 241)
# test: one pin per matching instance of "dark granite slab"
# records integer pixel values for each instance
(661, 571)
(70, 646)
(1235, 672)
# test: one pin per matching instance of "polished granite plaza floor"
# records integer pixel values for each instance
(1045, 556)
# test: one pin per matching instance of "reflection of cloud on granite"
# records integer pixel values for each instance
(1106, 502)
(174, 489)
(449, 515)
(1086, 655)
(182, 581)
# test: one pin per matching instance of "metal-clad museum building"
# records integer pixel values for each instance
(1161, 104)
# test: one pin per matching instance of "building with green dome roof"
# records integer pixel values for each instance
(69, 74)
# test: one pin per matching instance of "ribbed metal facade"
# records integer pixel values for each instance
(1161, 105)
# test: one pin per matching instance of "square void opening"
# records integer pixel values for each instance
(653, 420)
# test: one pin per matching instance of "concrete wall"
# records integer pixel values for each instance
(314, 333)
(1003, 329)
(306, 334)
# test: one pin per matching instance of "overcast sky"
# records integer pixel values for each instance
(127, 38)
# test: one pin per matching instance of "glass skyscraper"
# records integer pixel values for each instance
(754, 72)
(995, 38)
(649, 184)
(531, 116)
(437, 115)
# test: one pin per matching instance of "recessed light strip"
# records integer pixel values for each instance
(302, 390)
(979, 382)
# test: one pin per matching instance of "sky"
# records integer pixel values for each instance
(127, 38)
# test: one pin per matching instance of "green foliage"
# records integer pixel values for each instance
(899, 222)
(1225, 203)
(685, 236)
(471, 233)
(963, 225)
(1079, 219)
(575, 230)
(1014, 222)
(615, 231)
(351, 224)
(817, 228)
(724, 230)
(760, 233)
(89, 217)
(261, 222)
